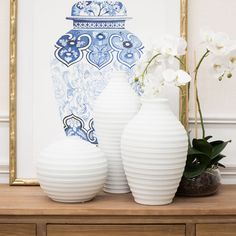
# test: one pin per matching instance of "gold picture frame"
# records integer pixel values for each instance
(13, 90)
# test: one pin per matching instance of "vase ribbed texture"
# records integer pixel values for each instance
(154, 149)
(114, 108)
(72, 170)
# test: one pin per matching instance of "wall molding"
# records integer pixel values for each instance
(4, 178)
(4, 169)
(228, 175)
(4, 118)
(228, 171)
(215, 120)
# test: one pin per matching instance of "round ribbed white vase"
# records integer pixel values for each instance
(113, 109)
(72, 170)
(154, 150)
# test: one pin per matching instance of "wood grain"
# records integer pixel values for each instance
(17, 230)
(121, 230)
(28, 211)
(41, 229)
(191, 229)
(215, 229)
(32, 201)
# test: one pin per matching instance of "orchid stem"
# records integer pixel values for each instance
(180, 61)
(197, 95)
(149, 63)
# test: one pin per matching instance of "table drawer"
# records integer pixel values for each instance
(115, 230)
(215, 229)
(17, 230)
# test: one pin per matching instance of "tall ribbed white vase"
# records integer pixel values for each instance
(71, 170)
(154, 149)
(113, 109)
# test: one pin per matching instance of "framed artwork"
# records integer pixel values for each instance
(73, 46)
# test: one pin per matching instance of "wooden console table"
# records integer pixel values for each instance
(26, 211)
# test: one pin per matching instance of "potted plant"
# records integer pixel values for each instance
(201, 175)
(156, 70)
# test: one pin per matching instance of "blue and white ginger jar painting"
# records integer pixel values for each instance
(85, 58)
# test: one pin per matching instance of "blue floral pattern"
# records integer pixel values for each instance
(129, 48)
(100, 53)
(100, 47)
(85, 58)
(99, 8)
(70, 48)
(75, 126)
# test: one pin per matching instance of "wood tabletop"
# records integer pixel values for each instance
(32, 201)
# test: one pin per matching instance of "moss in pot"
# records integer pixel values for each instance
(201, 175)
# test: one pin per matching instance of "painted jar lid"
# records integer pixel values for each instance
(98, 10)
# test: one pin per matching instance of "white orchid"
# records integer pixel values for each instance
(218, 43)
(173, 46)
(176, 78)
(224, 66)
(154, 70)
(153, 85)
(231, 57)
(150, 60)
(218, 67)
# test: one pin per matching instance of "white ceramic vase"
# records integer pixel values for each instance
(154, 149)
(113, 109)
(71, 170)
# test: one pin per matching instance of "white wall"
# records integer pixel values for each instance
(218, 99)
(220, 124)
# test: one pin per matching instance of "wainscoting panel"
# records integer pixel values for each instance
(222, 128)
(4, 174)
(4, 149)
